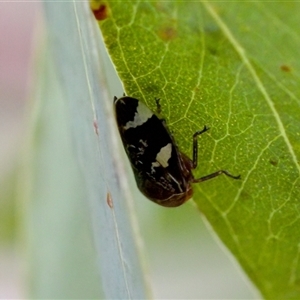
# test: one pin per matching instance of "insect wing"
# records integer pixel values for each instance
(154, 157)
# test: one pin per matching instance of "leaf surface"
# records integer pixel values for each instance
(233, 66)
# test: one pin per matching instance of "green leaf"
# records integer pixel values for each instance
(233, 66)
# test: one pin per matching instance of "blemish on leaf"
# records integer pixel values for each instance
(96, 127)
(273, 162)
(285, 68)
(109, 200)
(212, 51)
(167, 33)
(101, 13)
(245, 196)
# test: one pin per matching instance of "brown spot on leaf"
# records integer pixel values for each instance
(285, 68)
(273, 162)
(96, 127)
(245, 196)
(101, 13)
(167, 33)
(109, 200)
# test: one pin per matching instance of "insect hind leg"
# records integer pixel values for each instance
(195, 145)
(158, 106)
(215, 174)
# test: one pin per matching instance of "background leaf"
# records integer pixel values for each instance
(72, 174)
(60, 257)
(233, 66)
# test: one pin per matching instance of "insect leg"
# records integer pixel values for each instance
(158, 106)
(215, 174)
(195, 145)
(158, 112)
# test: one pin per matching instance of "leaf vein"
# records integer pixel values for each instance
(241, 51)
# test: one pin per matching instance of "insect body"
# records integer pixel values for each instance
(163, 174)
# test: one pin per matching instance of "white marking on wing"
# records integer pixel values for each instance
(143, 113)
(164, 155)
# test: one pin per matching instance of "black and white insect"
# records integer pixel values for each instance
(162, 173)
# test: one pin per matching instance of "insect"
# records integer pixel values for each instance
(162, 173)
